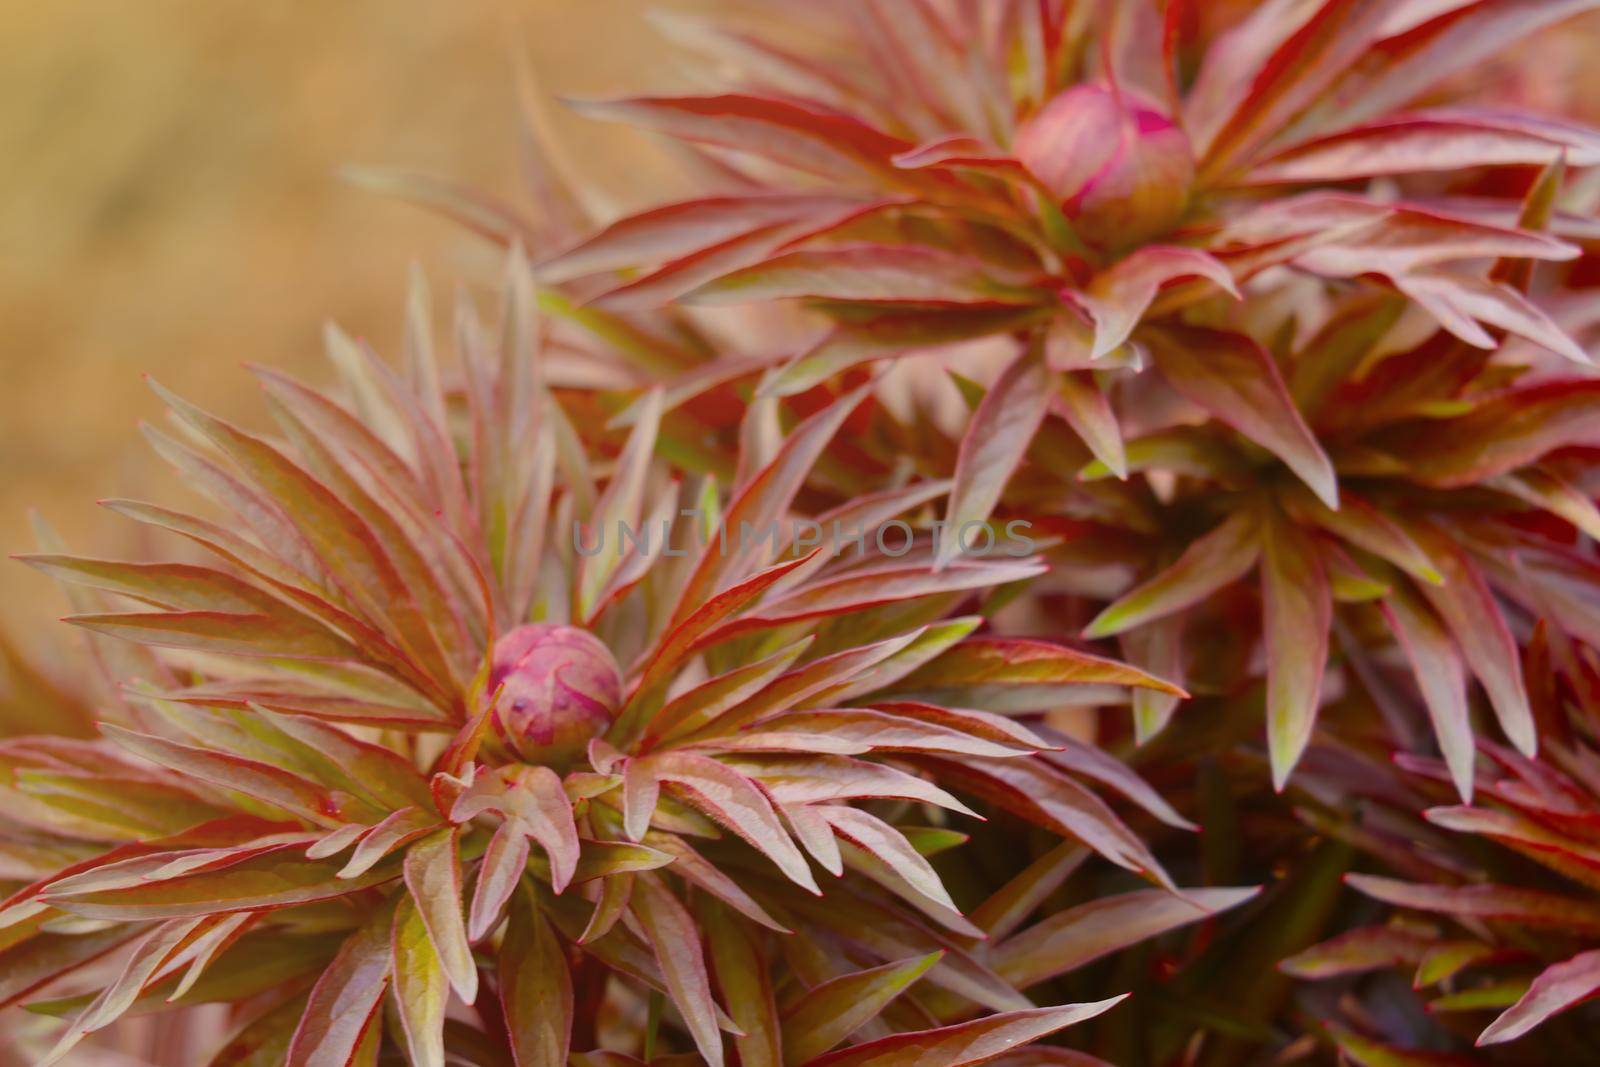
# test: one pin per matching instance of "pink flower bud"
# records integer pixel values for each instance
(1121, 169)
(560, 688)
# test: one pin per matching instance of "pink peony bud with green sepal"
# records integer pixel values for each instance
(1120, 168)
(559, 689)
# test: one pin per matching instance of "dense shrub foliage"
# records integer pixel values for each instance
(808, 623)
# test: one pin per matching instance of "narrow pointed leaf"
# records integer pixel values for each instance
(994, 443)
(832, 1011)
(1219, 558)
(1236, 381)
(535, 988)
(965, 1043)
(1296, 617)
(676, 941)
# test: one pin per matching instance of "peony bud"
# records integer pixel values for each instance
(560, 688)
(1121, 169)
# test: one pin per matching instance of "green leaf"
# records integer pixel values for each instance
(890, 274)
(1235, 380)
(344, 1004)
(1119, 296)
(1531, 907)
(1560, 987)
(535, 987)
(832, 1011)
(965, 1043)
(1442, 678)
(432, 871)
(504, 863)
(994, 443)
(1470, 612)
(676, 941)
(421, 990)
(1069, 939)
(1358, 951)
(1296, 617)
(745, 980)
(618, 508)
(1220, 557)
(737, 803)
(276, 878)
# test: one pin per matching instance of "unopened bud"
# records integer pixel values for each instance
(1121, 169)
(559, 688)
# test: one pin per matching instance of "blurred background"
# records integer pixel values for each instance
(169, 203)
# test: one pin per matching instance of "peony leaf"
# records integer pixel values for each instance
(276, 878)
(421, 990)
(1156, 646)
(805, 137)
(1018, 674)
(867, 274)
(1219, 558)
(763, 503)
(117, 997)
(1359, 951)
(228, 633)
(1119, 296)
(1470, 612)
(1506, 432)
(832, 1011)
(701, 873)
(261, 780)
(1441, 676)
(1427, 44)
(887, 846)
(1297, 612)
(876, 585)
(1236, 381)
(1095, 763)
(504, 862)
(1362, 1052)
(894, 332)
(1037, 792)
(809, 779)
(676, 941)
(1086, 408)
(396, 829)
(1494, 902)
(675, 230)
(965, 1043)
(851, 732)
(1369, 529)
(1560, 987)
(540, 802)
(1463, 304)
(993, 445)
(535, 987)
(179, 586)
(1012, 903)
(433, 875)
(1069, 939)
(1430, 140)
(1272, 67)
(746, 982)
(344, 1004)
(738, 803)
(618, 509)
(700, 705)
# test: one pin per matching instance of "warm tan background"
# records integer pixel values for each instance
(168, 202)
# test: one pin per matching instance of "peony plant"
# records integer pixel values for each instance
(1132, 418)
